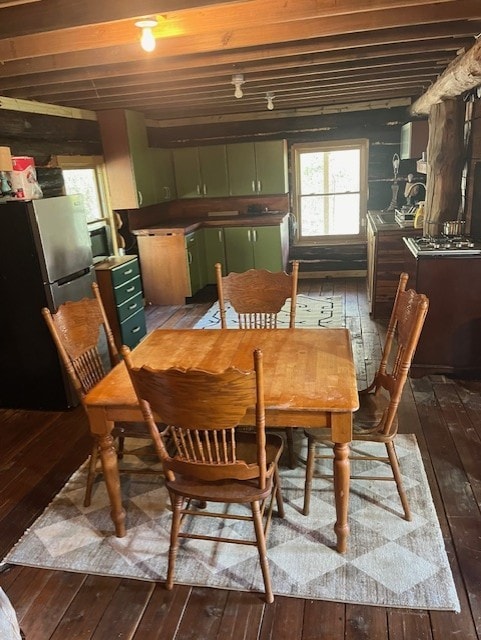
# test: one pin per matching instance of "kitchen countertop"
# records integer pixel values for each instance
(187, 225)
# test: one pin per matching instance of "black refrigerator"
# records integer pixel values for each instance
(45, 260)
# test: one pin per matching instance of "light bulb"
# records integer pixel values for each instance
(147, 39)
(270, 99)
(238, 81)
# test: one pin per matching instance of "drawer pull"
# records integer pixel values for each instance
(135, 330)
(127, 272)
(130, 289)
(133, 306)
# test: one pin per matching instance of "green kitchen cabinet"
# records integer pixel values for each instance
(195, 260)
(257, 168)
(261, 247)
(163, 174)
(214, 244)
(127, 158)
(201, 172)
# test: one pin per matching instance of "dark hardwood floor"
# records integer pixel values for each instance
(39, 450)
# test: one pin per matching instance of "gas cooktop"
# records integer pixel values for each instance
(443, 246)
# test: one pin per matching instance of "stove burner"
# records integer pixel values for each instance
(445, 245)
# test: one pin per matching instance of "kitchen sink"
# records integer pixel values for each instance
(386, 217)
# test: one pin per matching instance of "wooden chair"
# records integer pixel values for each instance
(257, 296)
(78, 330)
(206, 458)
(377, 420)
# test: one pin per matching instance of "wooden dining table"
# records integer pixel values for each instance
(310, 381)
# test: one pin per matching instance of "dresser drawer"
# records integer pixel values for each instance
(125, 272)
(130, 306)
(127, 290)
(133, 329)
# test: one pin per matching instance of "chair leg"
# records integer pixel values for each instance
(94, 454)
(311, 457)
(290, 447)
(391, 452)
(261, 547)
(120, 447)
(177, 502)
(279, 498)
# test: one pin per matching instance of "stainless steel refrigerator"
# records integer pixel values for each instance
(45, 260)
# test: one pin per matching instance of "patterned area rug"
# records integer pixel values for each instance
(310, 312)
(390, 562)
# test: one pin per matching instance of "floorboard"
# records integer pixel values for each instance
(41, 449)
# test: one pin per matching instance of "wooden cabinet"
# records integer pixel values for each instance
(121, 292)
(214, 247)
(201, 171)
(261, 247)
(385, 262)
(414, 139)
(127, 158)
(257, 168)
(163, 174)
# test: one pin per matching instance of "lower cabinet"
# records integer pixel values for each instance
(257, 248)
(194, 247)
(214, 245)
(121, 291)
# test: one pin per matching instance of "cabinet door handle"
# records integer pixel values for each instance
(198, 189)
(254, 186)
(259, 186)
(127, 272)
(220, 235)
(204, 189)
(133, 306)
(135, 330)
(249, 235)
(166, 193)
(140, 197)
(189, 257)
(254, 234)
(130, 289)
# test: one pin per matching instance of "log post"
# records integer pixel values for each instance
(446, 156)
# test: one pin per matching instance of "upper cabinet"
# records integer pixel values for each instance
(201, 172)
(414, 139)
(257, 168)
(127, 158)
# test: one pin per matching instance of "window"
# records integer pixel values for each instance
(330, 190)
(86, 175)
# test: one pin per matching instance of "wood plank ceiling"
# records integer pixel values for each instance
(312, 55)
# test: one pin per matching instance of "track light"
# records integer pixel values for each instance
(238, 81)
(147, 39)
(270, 100)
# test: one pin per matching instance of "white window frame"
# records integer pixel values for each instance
(333, 145)
(98, 164)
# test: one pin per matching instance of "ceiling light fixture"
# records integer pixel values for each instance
(147, 39)
(270, 100)
(238, 81)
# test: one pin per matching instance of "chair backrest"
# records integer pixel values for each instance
(78, 328)
(257, 296)
(404, 329)
(202, 410)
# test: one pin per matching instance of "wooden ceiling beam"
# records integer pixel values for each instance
(199, 34)
(463, 74)
(85, 64)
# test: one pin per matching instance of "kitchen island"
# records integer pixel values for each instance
(177, 257)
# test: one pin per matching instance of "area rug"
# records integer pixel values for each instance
(310, 312)
(390, 562)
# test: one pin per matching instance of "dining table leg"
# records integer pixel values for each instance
(341, 427)
(102, 431)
